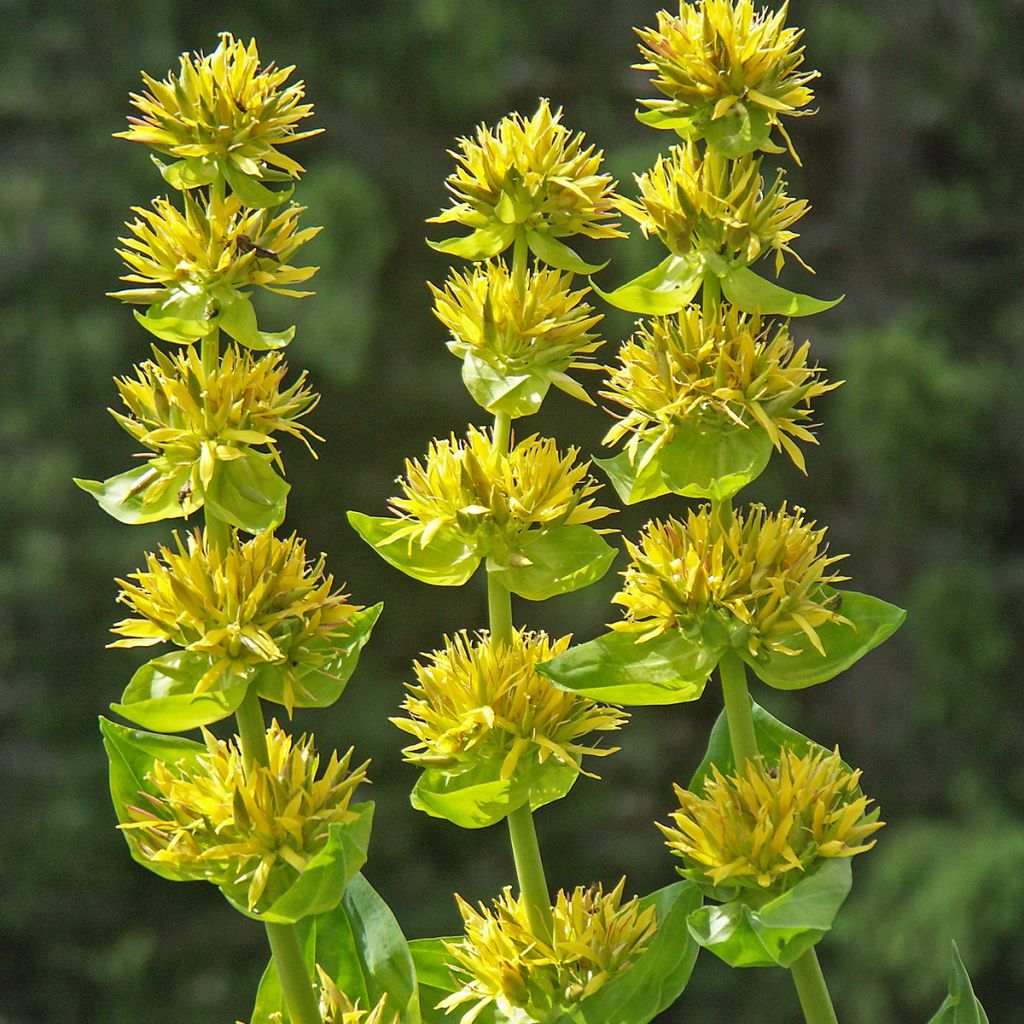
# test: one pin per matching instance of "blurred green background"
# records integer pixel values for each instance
(914, 169)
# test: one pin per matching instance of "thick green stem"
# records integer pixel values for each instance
(502, 432)
(733, 674)
(520, 254)
(812, 990)
(252, 731)
(530, 870)
(499, 608)
(711, 297)
(291, 972)
(218, 533)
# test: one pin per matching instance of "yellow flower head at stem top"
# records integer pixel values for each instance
(723, 63)
(223, 110)
(534, 173)
(492, 497)
(501, 961)
(736, 369)
(257, 828)
(763, 574)
(478, 701)
(337, 1008)
(253, 604)
(703, 201)
(763, 829)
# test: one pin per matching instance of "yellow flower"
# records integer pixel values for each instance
(501, 961)
(764, 828)
(763, 573)
(480, 701)
(217, 821)
(544, 328)
(705, 201)
(252, 604)
(337, 1008)
(532, 172)
(224, 108)
(190, 261)
(724, 57)
(736, 369)
(491, 497)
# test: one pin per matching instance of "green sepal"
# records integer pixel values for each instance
(657, 118)
(118, 497)
(480, 796)
(666, 289)
(320, 686)
(515, 395)
(961, 1006)
(250, 191)
(248, 493)
(558, 255)
(131, 754)
(555, 560)
(320, 886)
(874, 621)
(753, 294)
(193, 172)
(742, 130)
(671, 668)
(361, 946)
(482, 244)
(237, 318)
(175, 329)
(161, 695)
(446, 560)
(779, 932)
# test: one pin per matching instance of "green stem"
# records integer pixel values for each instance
(812, 990)
(711, 297)
(252, 731)
(520, 260)
(499, 608)
(218, 533)
(733, 674)
(502, 432)
(530, 870)
(292, 974)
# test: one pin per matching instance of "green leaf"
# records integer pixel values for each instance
(250, 191)
(667, 669)
(482, 244)
(193, 172)
(447, 560)
(713, 460)
(633, 487)
(874, 621)
(515, 395)
(742, 130)
(320, 687)
(559, 559)
(320, 886)
(753, 294)
(248, 493)
(161, 694)
(238, 320)
(666, 289)
(173, 328)
(657, 118)
(124, 496)
(961, 1006)
(558, 255)
(782, 930)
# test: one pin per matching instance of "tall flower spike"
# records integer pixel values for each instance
(502, 962)
(736, 369)
(254, 828)
(765, 828)
(763, 574)
(480, 701)
(730, 73)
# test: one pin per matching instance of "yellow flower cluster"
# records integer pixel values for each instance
(256, 603)
(215, 244)
(478, 700)
(703, 201)
(217, 820)
(765, 827)
(493, 497)
(763, 571)
(533, 172)
(224, 106)
(501, 961)
(734, 369)
(543, 325)
(337, 1008)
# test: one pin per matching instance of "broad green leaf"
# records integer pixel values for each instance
(667, 669)
(161, 695)
(238, 320)
(482, 244)
(185, 174)
(713, 460)
(558, 255)
(874, 621)
(666, 289)
(517, 395)
(250, 191)
(559, 559)
(753, 294)
(447, 560)
(961, 1006)
(173, 328)
(742, 130)
(248, 493)
(124, 496)
(656, 118)
(631, 486)
(320, 886)
(320, 687)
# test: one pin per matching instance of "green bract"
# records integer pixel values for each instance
(961, 1006)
